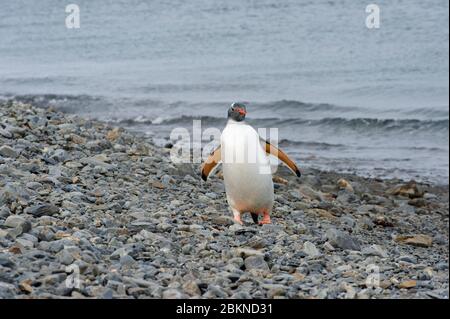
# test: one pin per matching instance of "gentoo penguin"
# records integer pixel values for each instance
(246, 167)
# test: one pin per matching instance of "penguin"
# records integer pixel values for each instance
(246, 167)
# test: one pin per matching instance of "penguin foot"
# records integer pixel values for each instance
(238, 220)
(266, 219)
(237, 217)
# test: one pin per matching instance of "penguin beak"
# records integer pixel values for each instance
(241, 111)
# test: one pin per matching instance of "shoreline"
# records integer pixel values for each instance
(85, 193)
(322, 154)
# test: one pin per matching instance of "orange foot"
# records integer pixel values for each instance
(266, 219)
(237, 217)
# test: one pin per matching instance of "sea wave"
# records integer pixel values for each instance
(330, 122)
(153, 112)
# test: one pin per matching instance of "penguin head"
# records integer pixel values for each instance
(237, 112)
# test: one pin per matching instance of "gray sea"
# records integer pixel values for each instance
(344, 97)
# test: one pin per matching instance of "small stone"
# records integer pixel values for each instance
(158, 184)
(426, 274)
(257, 242)
(344, 184)
(385, 284)
(411, 190)
(4, 212)
(247, 252)
(374, 250)
(327, 246)
(25, 243)
(113, 134)
(64, 257)
(25, 286)
(5, 261)
(7, 291)
(7, 151)
(310, 194)
(256, 262)
(347, 220)
(127, 260)
(15, 250)
(407, 284)
(408, 258)
(415, 240)
(279, 180)
(107, 293)
(191, 288)
(5, 133)
(274, 290)
(222, 220)
(310, 249)
(41, 210)
(173, 294)
(342, 240)
(15, 221)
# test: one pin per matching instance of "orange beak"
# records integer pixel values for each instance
(241, 111)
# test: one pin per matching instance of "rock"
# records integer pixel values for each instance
(113, 134)
(191, 288)
(222, 220)
(374, 250)
(59, 155)
(310, 249)
(247, 252)
(257, 242)
(25, 243)
(173, 294)
(15, 221)
(310, 193)
(407, 284)
(383, 221)
(408, 258)
(322, 213)
(158, 184)
(426, 274)
(328, 247)
(411, 190)
(7, 151)
(274, 290)
(256, 262)
(4, 212)
(346, 197)
(5, 133)
(5, 261)
(7, 291)
(342, 240)
(127, 260)
(42, 209)
(64, 257)
(344, 184)
(25, 286)
(415, 240)
(279, 180)
(215, 292)
(347, 220)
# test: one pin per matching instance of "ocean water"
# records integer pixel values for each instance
(344, 97)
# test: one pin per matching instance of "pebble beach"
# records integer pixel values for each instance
(90, 210)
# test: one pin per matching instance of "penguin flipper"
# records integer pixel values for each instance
(270, 149)
(211, 162)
